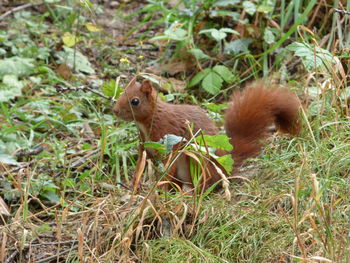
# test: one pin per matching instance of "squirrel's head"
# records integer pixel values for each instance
(137, 102)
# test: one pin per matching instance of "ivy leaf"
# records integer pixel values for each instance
(212, 83)
(224, 72)
(218, 141)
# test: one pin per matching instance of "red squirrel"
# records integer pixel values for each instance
(249, 114)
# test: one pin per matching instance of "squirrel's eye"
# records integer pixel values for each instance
(135, 101)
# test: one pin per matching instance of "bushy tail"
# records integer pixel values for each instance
(252, 111)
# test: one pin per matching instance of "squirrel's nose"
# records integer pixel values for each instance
(116, 110)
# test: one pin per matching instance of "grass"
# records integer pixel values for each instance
(66, 163)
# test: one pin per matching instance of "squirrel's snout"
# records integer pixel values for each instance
(116, 110)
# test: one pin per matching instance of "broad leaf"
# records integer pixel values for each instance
(212, 83)
(249, 7)
(198, 53)
(312, 56)
(222, 13)
(75, 59)
(237, 46)
(218, 141)
(224, 72)
(170, 140)
(269, 37)
(226, 161)
(16, 66)
(10, 88)
(225, 3)
(70, 39)
(218, 35)
(156, 146)
(198, 77)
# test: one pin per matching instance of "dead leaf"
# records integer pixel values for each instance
(140, 167)
(64, 71)
(177, 85)
(4, 210)
(175, 67)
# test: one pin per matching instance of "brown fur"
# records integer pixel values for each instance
(250, 113)
(246, 120)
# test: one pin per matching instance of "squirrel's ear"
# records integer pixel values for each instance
(146, 87)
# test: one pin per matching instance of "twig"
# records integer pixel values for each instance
(35, 151)
(341, 11)
(54, 243)
(48, 259)
(12, 257)
(18, 8)
(83, 159)
(83, 88)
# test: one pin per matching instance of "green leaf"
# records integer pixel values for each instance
(156, 146)
(226, 161)
(218, 141)
(16, 66)
(269, 37)
(10, 88)
(265, 8)
(198, 53)
(7, 159)
(51, 196)
(229, 30)
(237, 46)
(169, 140)
(198, 77)
(109, 89)
(218, 35)
(222, 13)
(224, 72)
(225, 3)
(312, 56)
(249, 7)
(217, 108)
(174, 32)
(212, 83)
(69, 56)
(70, 39)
